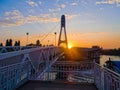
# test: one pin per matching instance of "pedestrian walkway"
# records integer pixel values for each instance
(56, 85)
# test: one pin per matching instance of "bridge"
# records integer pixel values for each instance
(54, 68)
(45, 68)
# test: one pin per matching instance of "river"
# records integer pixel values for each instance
(104, 58)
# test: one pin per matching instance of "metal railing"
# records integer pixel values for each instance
(12, 76)
(5, 49)
(37, 54)
(102, 77)
(46, 67)
(70, 71)
(106, 79)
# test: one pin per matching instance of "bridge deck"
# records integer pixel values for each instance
(57, 85)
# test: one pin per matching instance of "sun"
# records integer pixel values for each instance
(69, 46)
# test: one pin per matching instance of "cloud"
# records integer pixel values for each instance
(74, 4)
(14, 15)
(8, 23)
(63, 6)
(108, 2)
(71, 16)
(57, 1)
(15, 18)
(105, 2)
(54, 10)
(44, 18)
(40, 2)
(33, 3)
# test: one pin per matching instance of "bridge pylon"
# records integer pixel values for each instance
(63, 31)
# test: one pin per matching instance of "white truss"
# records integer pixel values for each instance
(15, 74)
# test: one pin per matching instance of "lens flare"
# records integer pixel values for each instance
(69, 46)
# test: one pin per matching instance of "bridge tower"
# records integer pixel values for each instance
(63, 31)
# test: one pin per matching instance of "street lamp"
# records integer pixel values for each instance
(55, 38)
(27, 38)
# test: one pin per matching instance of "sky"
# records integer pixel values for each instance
(88, 22)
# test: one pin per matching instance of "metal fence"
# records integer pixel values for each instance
(106, 79)
(103, 78)
(12, 76)
(49, 69)
(70, 71)
(31, 63)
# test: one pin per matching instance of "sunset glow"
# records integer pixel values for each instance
(88, 22)
(70, 46)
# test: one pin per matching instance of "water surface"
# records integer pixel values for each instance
(104, 58)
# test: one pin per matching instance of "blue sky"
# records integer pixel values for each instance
(89, 22)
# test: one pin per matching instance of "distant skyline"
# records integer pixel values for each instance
(88, 22)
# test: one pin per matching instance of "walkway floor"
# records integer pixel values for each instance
(41, 85)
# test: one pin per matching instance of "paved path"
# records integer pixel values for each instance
(44, 85)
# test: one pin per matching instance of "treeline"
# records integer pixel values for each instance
(111, 52)
(37, 44)
(9, 42)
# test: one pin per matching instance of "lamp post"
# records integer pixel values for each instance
(27, 38)
(55, 38)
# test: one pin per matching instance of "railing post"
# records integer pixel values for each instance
(102, 78)
(7, 78)
(0, 79)
(28, 70)
(98, 76)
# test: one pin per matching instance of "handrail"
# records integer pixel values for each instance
(106, 79)
(15, 53)
(16, 73)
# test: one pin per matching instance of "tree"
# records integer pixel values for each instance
(9, 42)
(17, 43)
(38, 43)
(118, 49)
(1, 44)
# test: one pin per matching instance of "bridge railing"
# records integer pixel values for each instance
(23, 65)
(41, 63)
(12, 76)
(106, 79)
(103, 78)
(5, 49)
(70, 71)
(37, 54)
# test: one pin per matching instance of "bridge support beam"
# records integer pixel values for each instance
(63, 29)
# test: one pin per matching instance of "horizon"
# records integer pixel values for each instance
(88, 23)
